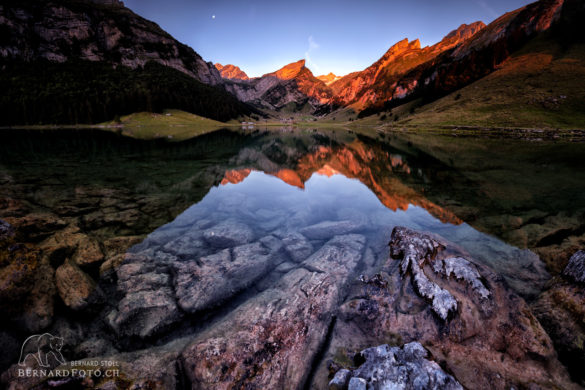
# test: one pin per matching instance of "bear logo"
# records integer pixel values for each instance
(40, 347)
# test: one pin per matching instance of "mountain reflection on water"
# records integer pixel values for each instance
(329, 204)
(493, 198)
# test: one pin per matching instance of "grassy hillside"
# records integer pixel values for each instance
(172, 124)
(540, 86)
(78, 92)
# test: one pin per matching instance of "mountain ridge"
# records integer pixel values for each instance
(354, 89)
(231, 72)
(293, 84)
(104, 61)
(96, 30)
(329, 78)
(105, 32)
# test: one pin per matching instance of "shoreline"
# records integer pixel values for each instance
(533, 134)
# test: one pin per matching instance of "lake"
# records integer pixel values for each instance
(159, 243)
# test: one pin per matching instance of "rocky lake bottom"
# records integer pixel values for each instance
(295, 259)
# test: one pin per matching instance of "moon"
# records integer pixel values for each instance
(212, 16)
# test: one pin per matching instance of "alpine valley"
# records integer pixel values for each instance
(102, 61)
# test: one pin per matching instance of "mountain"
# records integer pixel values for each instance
(296, 84)
(376, 82)
(461, 60)
(82, 61)
(408, 72)
(359, 160)
(97, 30)
(293, 86)
(88, 61)
(536, 87)
(231, 72)
(329, 78)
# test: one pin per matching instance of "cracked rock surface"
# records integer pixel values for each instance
(489, 339)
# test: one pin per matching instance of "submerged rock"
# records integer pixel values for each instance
(210, 280)
(561, 311)
(6, 230)
(386, 367)
(297, 246)
(35, 227)
(159, 285)
(228, 234)
(148, 306)
(187, 245)
(270, 341)
(27, 287)
(88, 252)
(328, 229)
(145, 313)
(76, 288)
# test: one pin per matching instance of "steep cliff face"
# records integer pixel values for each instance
(373, 84)
(293, 83)
(468, 59)
(231, 72)
(408, 71)
(96, 30)
(86, 61)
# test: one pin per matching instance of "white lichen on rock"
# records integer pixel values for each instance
(462, 269)
(388, 367)
(416, 249)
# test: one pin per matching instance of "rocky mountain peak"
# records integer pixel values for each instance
(329, 78)
(456, 37)
(231, 72)
(289, 71)
(402, 46)
(466, 30)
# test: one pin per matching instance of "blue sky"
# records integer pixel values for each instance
(339, 36)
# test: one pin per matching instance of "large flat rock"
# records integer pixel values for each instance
(270, 341)
(327, 229)
(210, 280)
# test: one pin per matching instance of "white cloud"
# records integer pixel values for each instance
(313, 45)
(483, 4)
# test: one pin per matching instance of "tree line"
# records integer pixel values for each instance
(85, 92)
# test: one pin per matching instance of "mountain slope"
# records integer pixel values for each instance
(82, 61)
(534, 88)
(378, 81)
(474, 58)
(329, 78)
(76, 91)
(293, 84)
(231, 72)
(97, 30)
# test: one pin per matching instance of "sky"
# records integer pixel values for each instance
(339, 36)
